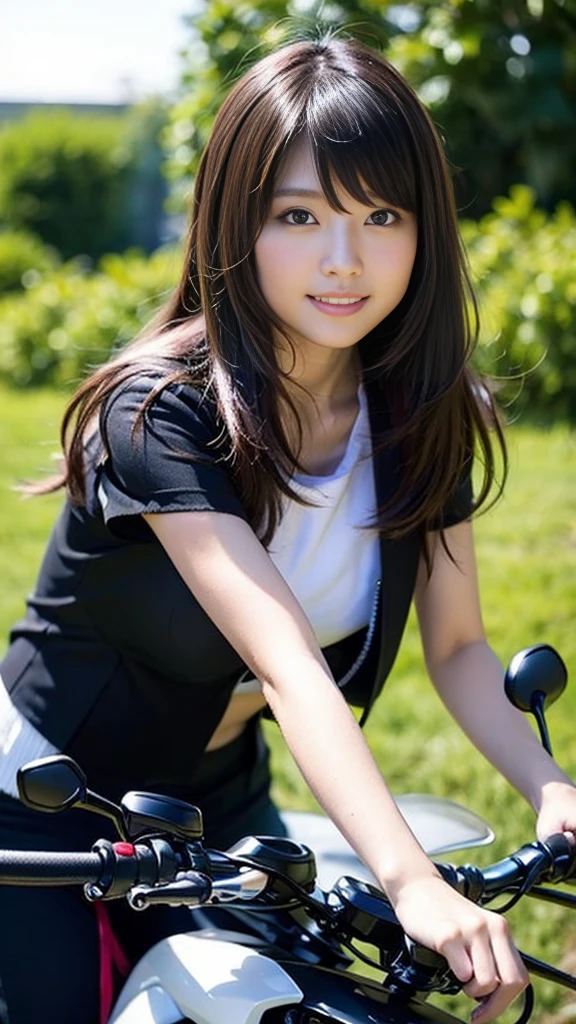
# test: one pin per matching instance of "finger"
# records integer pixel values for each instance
(492, 1006)
(510, 966)
(486, 978)
(458, 957)
(544, 831)
(513, 977)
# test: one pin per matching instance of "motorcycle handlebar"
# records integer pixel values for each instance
(30, 867)
(553, 860)
(117, 868)
(109, 870)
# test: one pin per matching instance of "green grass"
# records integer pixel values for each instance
(527, 560)
(29, 428)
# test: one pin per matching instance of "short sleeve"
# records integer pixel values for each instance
(168, 460)
(461, 505)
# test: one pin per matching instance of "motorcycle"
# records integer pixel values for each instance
(285, 955)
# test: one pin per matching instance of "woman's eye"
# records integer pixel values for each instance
(383, 218)
(299, 217)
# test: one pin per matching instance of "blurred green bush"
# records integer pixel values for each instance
(23, 258)
(522, 262)
(72, 319)
(523, 266)
(66, 178)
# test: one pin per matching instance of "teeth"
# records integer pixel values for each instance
(337, 302)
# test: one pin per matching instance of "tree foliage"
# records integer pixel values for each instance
(70, 320)
(64, 178)
(498, 76)
(23, 258)
(523, 265)
(84, 183)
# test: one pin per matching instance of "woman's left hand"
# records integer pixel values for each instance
(557, 811)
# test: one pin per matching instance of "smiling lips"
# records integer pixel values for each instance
(338, 303)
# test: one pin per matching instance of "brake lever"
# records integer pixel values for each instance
(190, 888)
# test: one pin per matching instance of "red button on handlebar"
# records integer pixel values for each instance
(124, 849)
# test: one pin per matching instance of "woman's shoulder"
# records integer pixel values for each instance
(155, 396)
(163, 449)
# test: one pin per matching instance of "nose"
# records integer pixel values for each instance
(341, 256)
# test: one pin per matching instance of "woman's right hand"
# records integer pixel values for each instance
(475, 942)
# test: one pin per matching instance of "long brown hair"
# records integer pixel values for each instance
(370, 133)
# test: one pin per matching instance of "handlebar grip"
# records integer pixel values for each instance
(551, 860)
(563, 853)
(32, 867)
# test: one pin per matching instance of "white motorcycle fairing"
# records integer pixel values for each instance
(205, 981)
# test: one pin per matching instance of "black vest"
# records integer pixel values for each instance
(76, 667)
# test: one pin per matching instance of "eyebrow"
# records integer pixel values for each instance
(309, 193)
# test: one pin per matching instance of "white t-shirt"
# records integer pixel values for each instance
(330, 563)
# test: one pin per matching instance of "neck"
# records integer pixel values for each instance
(322, 373)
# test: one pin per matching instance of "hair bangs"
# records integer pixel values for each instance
(362, 143)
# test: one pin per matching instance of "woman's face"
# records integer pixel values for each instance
(307, 252)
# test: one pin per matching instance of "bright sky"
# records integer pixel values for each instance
(91, 51)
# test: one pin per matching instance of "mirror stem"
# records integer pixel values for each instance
(99, 805)
(537, 709)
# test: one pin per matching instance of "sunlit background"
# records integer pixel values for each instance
(113, 51)
(104, 110)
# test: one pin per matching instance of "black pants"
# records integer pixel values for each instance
(49, 953)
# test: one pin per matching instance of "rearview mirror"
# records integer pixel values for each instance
(51, 784)
(535, 678)
(57, 783)
(535, 674)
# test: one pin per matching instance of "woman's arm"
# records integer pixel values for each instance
(469, 679)
(241, 590)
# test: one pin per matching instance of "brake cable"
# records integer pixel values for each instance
(528, 1006)
(530, 880)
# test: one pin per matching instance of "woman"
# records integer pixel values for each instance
(255, 490)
